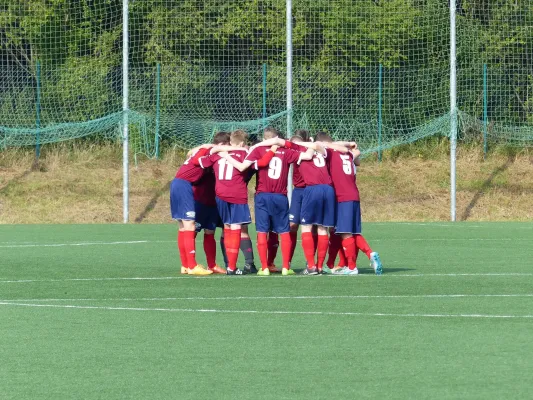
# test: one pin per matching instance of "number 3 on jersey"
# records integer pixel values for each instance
(319, 161)
(274, 168)
(224, 165)
(346, 164)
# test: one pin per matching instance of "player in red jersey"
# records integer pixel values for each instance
(300, 135)
(207, 218)
(318, 206)
(342, 167)
(231, 195)
(271, 203)
(183, 209)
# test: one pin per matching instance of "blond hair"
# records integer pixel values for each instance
(237, 137)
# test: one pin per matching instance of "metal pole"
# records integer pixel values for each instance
(264, 95)
(125, 109)
(379, 109)
(289, 84)
(157, 109)
(485, 110)
(38, 111)
(453, 111)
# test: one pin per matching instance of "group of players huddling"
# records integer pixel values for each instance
(210, 191)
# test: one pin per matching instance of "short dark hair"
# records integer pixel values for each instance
(221, 138)
(302, 134)
(322, 137)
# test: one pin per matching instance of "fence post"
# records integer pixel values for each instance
(264, 95)
(380, 91)
(125, 111)
(453, 112)
(157, 108)
(38, 111)
(288, 6)
(485, 110)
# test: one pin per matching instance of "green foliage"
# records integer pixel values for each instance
(212, 52)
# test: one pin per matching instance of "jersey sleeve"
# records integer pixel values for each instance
(208, 161)
(292, 156)
(296, 147)
(265, 160)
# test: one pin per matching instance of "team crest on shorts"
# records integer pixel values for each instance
(190, 214)
(291, 217)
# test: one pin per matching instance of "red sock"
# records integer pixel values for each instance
(342, 258)
(262, 246)
(348, 245)
(322, 248)
(190, 248)
(182, 250)
(315, 240)
(286, 244)
(308, 246)
(273, 245)
(361, 243)
(335, 243)
(294, 240)
(210, 248)
(232, 248)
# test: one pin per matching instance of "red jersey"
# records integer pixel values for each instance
(230, 182)
(190, 172)
(204, 189)
(297, 179)
(273, 179)
(315, 171)
(342, 171)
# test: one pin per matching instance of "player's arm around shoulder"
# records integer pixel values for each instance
(241, 166)
(356, 156)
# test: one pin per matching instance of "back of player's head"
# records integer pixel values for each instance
(300, 135)
(238, 138)
(323, 137)
(270, 132)
(221, 138)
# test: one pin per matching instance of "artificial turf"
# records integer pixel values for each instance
(452, 317)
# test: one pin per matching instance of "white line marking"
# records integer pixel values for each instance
(385, 275)
(327, 313)
(423, 296)
(9, 245)
(73, 244)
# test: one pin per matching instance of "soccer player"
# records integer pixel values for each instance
(317, 205)
(231, 195)
(300, 135)
(342, 168)
(183, 209)
(271, 203)
(207, 218)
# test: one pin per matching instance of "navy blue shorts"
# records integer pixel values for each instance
(271, 213)
(238, 214)
(206, 217)
(182, 200)
(296, 205)
(348, 217)
(318, 206)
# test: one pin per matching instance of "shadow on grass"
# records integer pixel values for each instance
(486, 185)
(152, 203)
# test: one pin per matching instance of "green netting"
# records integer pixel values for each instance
(374, 71)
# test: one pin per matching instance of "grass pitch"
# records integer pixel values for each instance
(99, 311)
